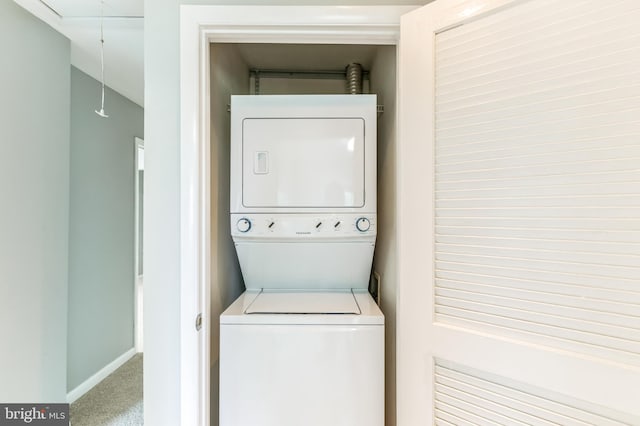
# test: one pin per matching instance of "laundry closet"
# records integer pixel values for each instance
(294, 69)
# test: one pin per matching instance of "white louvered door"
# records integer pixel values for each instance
(519, 213)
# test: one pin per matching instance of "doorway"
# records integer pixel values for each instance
(287, 69)
(308, 25)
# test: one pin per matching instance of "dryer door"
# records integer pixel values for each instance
(303, 162)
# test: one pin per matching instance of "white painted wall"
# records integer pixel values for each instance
(162, 236)
(34, 223)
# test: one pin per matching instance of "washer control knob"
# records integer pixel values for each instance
(363, 224)
(244, 225)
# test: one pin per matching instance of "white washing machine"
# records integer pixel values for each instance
(304, 345)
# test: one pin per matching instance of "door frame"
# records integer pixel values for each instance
(138, 278)
(200, 26)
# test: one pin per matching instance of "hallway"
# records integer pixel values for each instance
(117, 400)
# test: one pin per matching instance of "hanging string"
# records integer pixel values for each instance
(101, 113)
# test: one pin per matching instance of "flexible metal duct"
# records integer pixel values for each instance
(354, 78)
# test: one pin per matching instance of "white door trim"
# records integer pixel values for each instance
(199, 26)
(138, 279)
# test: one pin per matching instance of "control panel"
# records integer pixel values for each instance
(303, 225)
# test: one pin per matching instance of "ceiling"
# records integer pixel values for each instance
(91, 8)
(79, 20)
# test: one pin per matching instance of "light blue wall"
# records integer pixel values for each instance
(101, 230)
(34, 194)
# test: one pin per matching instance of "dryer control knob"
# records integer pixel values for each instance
(244, 225)
(363, 224)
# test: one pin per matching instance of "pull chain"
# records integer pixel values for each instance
(101, 113)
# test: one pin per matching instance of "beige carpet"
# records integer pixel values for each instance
(117, 400)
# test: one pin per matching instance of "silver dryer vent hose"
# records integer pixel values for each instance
(354, 78)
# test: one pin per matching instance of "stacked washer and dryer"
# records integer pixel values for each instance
(304, 344)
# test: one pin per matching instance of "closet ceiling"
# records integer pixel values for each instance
(304, 57)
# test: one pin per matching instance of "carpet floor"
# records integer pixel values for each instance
(117, 400)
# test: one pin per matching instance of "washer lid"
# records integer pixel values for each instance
(369, 314)
(273, 302)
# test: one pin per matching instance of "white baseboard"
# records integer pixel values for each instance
(86, 386)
